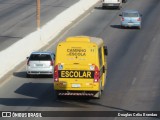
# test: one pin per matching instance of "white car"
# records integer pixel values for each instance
(40, 63)
(112, 3)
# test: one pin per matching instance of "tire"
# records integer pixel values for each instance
(103, 7)
(28, 75)
(139, 27)
(99, 93)
(122, 27)
(58, 96)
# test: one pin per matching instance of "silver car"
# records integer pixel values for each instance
(131, 18)
(40, 63)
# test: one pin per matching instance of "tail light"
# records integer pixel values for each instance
(56, 79)
(96, 74)
(122, 19)
(28, 63)
(51, 63)
(139, 19)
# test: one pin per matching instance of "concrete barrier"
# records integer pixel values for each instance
(16, 53)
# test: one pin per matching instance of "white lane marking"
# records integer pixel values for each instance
(134, 80)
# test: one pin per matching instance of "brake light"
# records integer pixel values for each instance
(28, 63)
(139, 19)
(56, 79)
(122, 19)
(96, 74)
(51, 63)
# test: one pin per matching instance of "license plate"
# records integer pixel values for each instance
(130, 24)
(110, 4)
(76, 85)
(39, 65)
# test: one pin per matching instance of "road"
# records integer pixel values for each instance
(133, 80)
(18, 17)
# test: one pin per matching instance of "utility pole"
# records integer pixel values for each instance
(38, 14)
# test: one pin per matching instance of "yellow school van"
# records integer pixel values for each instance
(80, 67)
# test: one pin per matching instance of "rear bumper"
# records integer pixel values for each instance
(35, 71)
(76, 93)
(126, 24)
(68, 87)
(40, 72)
(111, 4)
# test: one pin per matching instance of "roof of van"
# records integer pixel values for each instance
(95, 40)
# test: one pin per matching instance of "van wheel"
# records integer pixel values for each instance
(99, 93)
(57, 95)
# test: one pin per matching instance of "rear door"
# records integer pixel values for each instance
(76, 63)
(78, 53)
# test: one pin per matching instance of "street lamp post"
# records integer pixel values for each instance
(38, 14)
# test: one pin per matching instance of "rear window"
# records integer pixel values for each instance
(75, 53)
(40, 57)
(130, 14)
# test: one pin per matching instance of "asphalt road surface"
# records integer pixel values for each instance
(133, 81)
(18, 17)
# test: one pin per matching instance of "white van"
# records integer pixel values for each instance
(112, 3)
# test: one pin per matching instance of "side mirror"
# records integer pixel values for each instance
(103, 69)
(120, 14)
(105, 50)
(27, 57)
